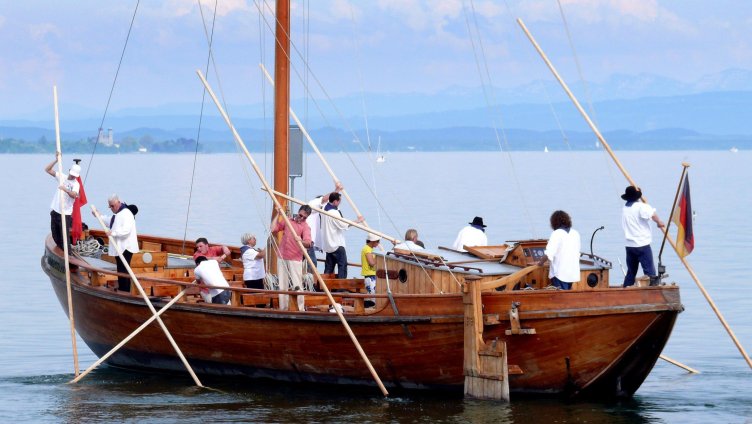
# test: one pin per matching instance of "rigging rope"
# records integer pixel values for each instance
(588, 100)
(480, 56)
(200, 121)
(112, 88)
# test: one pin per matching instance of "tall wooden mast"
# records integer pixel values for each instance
(281, 115)
(281, 98)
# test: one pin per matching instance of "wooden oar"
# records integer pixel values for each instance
(631, 181)
(338, 218)
(127, 339)
(141, 291)
(59, 154)
(288, 225)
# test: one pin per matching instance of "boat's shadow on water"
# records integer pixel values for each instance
(115, 395)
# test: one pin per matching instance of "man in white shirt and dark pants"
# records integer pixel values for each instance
(123, 233)
(69, 190)
(635, 220)
(563, 252)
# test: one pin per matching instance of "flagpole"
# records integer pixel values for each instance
(631, 181)
(64, 226)
(685, 165)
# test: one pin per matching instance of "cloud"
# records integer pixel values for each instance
(40, 32)
(179, 8)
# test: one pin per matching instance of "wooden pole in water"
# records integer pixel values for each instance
(59, 154)
(288, 226)
(146, 298)
(127, 339)
(631, 181)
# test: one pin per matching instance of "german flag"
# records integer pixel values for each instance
(685, 238)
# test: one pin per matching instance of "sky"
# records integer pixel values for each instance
(351, 47)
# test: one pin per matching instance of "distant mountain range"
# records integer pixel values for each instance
(634, 110)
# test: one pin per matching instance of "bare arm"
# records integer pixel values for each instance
(657, 220)
(48, 168)
(371, 258)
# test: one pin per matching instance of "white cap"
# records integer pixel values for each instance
(75, 170)
(373, 237)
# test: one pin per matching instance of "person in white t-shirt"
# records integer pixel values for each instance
(563, 252)
(635, 220)
(207, 272)
(253, 262)
(411, 241)
(314, 222)
(474, 234)
(69, 191)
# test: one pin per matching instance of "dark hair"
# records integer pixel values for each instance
(200, 259)
(334, 197)
(202, 240)
(560, 219)
(305, 208)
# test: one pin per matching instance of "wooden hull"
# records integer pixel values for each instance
(600, 343)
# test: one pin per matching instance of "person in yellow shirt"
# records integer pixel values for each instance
(368, 267)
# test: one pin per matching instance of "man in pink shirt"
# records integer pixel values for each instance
(290, 261)
(218, 253)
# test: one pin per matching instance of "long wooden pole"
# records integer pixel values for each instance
(315, 148)
(685, 165)
(59, 154)
(631, 181)
(339, 218)
(141, 291)
(127, 339)
(288, 226)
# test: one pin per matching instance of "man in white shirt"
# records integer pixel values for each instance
(122, 226)
(207, 272)
(473, 234)
(635, 220)
(69, 191)
(333, 238)
(314, 221)
(563, 252)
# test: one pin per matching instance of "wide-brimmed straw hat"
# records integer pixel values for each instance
(632, 194)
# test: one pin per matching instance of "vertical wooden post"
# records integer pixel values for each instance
(485, 367)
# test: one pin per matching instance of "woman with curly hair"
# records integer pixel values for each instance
(563, 252)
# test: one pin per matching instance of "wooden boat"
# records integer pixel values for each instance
(430, 307)
(595, 340)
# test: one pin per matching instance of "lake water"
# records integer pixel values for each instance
(437, 193)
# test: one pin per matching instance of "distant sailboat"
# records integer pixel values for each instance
(545, 149)
(734, 150)
(379, 156)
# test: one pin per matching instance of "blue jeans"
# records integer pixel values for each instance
(338, 258)
(561, 284)
(642, 255)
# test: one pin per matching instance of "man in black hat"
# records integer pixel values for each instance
(635, 219)
(472, 235)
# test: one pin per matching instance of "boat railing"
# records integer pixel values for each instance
(426, 261)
